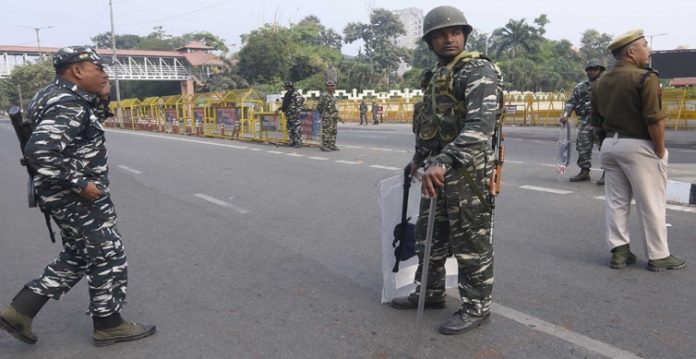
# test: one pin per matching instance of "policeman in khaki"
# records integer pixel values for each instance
(462, 105)
(68, 151)
(626, 104)
(579, 102)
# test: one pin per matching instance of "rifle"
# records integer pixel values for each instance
(496, 176)
(23, 130)
(404, 243)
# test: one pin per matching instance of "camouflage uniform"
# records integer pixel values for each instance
(375, 114)
(363, 112)
(329, 118)
(67, 150)
(292, 105)
(461, 106)
(579, 102)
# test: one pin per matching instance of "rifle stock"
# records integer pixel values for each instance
(497, 175)
(23, 131)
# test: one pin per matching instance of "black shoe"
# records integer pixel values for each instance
(583, 176)
(325, 149)
(461, 322)
(411, 302)
(669, 263)
(601, 180)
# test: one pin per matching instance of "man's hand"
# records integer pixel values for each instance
(91, 192)
(563, 120)
(413, 170)
(434, 176)
(660, 152)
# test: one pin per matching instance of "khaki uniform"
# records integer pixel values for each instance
(625, 100)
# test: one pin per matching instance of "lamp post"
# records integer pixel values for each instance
(115, 65)
(651, 45)
(38, 39)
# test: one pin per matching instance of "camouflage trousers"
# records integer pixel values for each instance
(295, 130)
(375, 119)
(92, 247)
(363, 118)
(328, 132)
(462, 228)
(584, 143)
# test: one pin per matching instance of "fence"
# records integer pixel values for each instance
(244, 115)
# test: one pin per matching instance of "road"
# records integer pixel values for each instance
(243, 250)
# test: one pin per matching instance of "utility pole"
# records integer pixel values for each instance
(38, 39)
(115, 65)
(651, 43)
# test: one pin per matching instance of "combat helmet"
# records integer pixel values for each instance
(288, 84)
(595, 63)
(442, 17)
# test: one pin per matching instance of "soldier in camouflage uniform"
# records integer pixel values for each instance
(329, 117)
(292, 105)
(579, 102)
(67, 151)
(363, 112)
(461, 108)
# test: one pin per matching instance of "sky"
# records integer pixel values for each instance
(73, 22)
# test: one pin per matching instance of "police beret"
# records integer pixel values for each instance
(75, 54)
(625, 39)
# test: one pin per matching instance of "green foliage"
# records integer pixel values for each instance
(378, 40)
(25, 81)
(594, 45)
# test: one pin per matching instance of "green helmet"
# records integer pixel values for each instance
(595, 63)
(442, 17)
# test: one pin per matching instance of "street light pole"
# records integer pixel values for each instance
(115, 65)
(38, 39)
(651, 43)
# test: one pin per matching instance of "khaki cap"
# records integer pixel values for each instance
(625, 39)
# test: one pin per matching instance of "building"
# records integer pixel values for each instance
(412, 19)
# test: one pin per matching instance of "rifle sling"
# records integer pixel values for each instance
(477, 191)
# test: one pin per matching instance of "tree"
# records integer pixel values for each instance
(515, 39)
(594, 45)
(127, 41)
(266, 56)
(378, 40)
(27, 80)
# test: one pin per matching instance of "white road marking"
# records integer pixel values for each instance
(349, 162)
(580, 340)
(546, 189)
(347, 146)
(130, 169)
(293, 154)
(276, 152)
(511, 161)
(317, 158)
(221, 203)
(255, 149)
(673, 207)
(385, 167)
(547, 165)
(382, 149)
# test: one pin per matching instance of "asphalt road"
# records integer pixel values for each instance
(241, 250)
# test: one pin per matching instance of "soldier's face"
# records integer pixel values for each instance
(593, 73)
(448, 42)
(331, 89)
(91, 77)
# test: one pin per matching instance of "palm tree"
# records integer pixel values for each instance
(516, 37)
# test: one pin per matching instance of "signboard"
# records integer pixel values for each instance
(227, 117)
(170, 114)
(269, 122)
(198, 115)
(511, 109)
(310, 123)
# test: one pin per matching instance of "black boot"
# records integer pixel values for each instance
(601, 180)
(411, 302)
(461, 322)
(583, 176)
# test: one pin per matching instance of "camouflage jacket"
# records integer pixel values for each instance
(579, 100)
(327, 106)
(462, 105)
(292, 103)
(67, 147)
(363, 108)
